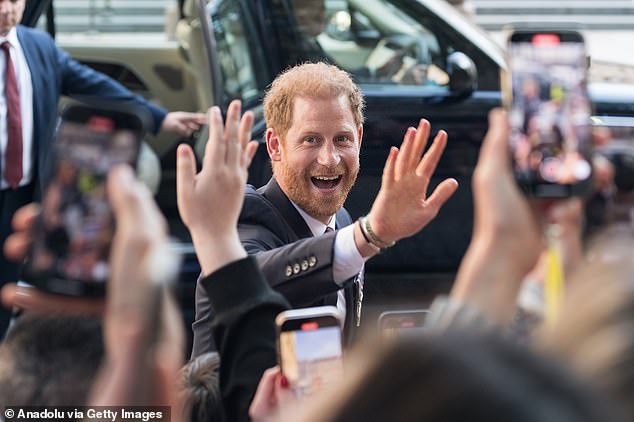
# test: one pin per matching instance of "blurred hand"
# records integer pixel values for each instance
(139, 370)
(503, 215)
(183, 123)
(272, 396)
(17, 244)
(209, 202)
(30, 298)
(507, 234)
(402, 208)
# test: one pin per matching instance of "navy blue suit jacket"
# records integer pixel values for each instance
(53, 74)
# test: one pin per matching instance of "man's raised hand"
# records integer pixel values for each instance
(402, 207)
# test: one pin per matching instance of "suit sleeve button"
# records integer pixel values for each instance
(304, 265)
(296, 269)
(312, 261)
(289, 271)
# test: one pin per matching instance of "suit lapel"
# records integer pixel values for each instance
(280, 201)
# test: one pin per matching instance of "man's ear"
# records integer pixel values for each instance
(273, 145)
(360, 133)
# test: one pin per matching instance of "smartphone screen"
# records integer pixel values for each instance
(310, 350)
(550, 113)
(72, 237)
(393, 324)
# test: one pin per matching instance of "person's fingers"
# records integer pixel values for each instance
(192, 125)
(428, 164)
(402, 160)
(603, 173)
(422, 134)
(389, 169)
(139, 221)
(601, 135)
(495, 149)
(185, 177)
(198, 118)
(215, 150)
(7, 295)
(24, 217)
(283, 394)
(119, 185)
(249, 153)
(567, 213)
(442, 193)
(16, 246)
(246, 125)
(31, 299)
(232, 132)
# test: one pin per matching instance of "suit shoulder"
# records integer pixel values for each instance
(256, 207)
(259, 213)
(35, 35)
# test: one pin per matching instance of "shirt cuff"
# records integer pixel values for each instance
(347, 261)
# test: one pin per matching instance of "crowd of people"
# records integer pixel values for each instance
(291, 244)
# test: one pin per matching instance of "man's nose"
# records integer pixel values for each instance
(328, 155)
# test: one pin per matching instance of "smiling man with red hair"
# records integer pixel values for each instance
(296, 227)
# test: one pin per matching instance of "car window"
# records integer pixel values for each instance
(373, 39)
(234, 53)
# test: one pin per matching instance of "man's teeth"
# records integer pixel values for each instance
(326, 178)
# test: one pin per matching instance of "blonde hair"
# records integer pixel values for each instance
(312, 80)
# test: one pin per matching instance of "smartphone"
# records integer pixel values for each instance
(72, 236)
(402, 323)
(545, 91)
(310, 348)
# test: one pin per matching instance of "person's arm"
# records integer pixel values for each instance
(301, 271)
(80, 80)
(507, 236)
(244, 331)
(209, 203)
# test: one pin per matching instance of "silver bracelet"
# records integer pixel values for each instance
(371, 237)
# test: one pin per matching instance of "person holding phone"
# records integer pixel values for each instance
(305, 242)
(34, 74)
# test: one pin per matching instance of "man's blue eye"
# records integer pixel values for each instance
(342, 139)
(310, 139)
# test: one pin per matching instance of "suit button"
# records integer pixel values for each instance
(312, 261)
(289, 271)
(304, 265)
(296, 269)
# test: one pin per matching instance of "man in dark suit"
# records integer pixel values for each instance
(314, 117)
(34, 73)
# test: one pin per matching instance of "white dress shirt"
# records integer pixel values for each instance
(347, 261)
(26, 109)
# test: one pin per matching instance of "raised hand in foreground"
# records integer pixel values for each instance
(209, 202)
